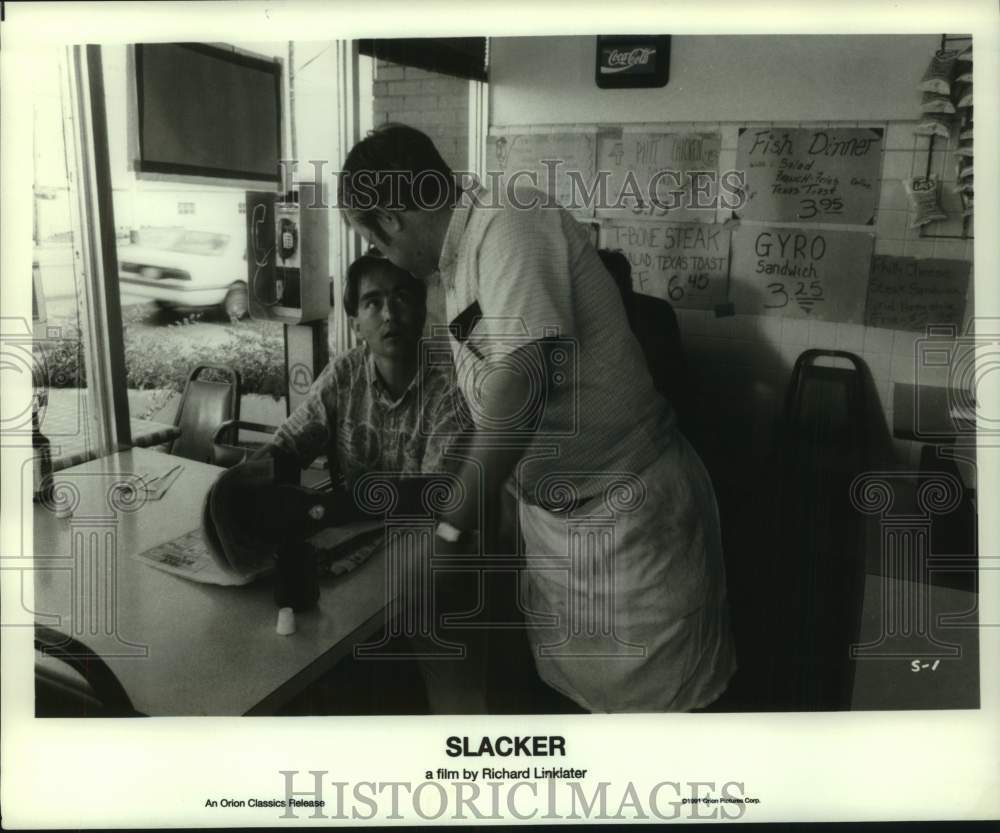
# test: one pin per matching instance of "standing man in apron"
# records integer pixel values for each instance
(624, 582)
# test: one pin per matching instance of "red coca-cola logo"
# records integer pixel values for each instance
(619, 60)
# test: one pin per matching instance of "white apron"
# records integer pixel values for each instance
(626, 604)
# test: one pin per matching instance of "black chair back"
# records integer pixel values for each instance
(818, 573)
(205, 405)
(79, 683)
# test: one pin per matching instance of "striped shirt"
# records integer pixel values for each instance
(350, 416)
(637, 613)
(530, 274)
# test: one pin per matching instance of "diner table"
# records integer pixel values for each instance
(177, 646)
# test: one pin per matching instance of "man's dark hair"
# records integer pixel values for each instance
(367, 265)
(394, 167)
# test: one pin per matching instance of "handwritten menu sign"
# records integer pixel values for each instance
(815, 175)
(671, 176)
(908, 294)
(560, 164)
(800, 273)
(686, 264)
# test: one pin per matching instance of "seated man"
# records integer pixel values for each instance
(375, 408)
(378, 408)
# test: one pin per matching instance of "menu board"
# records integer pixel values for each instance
(800, 273)
(672, 176)
(814, 175)
(560, 164)
(909, 294)
(686, 264)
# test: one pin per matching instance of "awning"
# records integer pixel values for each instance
(458, 57)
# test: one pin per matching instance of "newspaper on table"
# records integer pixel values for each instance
(225, 550)
(190, 557)
(339, 549)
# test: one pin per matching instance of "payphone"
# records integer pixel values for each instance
(289, 278)
(288, 255)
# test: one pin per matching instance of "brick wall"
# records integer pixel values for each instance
(436, 104)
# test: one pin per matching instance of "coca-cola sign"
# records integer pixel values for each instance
(619, 60)
(632, 60)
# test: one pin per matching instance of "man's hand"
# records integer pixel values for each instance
(467, 545)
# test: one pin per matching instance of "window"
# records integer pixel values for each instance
(67, 414)
(183, 278)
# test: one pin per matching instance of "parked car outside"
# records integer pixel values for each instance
(186, 269)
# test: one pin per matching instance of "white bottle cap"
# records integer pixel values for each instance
(286, 621)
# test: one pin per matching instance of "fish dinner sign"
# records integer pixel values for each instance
(810, 175)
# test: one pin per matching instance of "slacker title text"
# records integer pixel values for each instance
(505, 746)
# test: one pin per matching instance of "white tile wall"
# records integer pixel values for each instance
(851, 337)
(764, 348)
(879, 364)
(891, 224)
(766, 359)
(936, 376)
(899, 136)
(794, 331)
(919, 248)
(769, 327)
(903, 368)
(897, 164)
(892, 196)
(878, 340)
(904, 342)
(889, 247)
(822, 334)
(789, 352)
(953, 249)
(745, 327)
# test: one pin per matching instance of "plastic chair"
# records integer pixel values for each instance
(78, 683)
(205, 405)
(230, 449)
(825, 410)
(817, 581)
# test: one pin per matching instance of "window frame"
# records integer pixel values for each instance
(96, 249)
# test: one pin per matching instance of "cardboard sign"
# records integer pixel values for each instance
(815, 175)
(800, 273)
(560, 164)
(909, 294)
(669, 176)
(686, 264)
